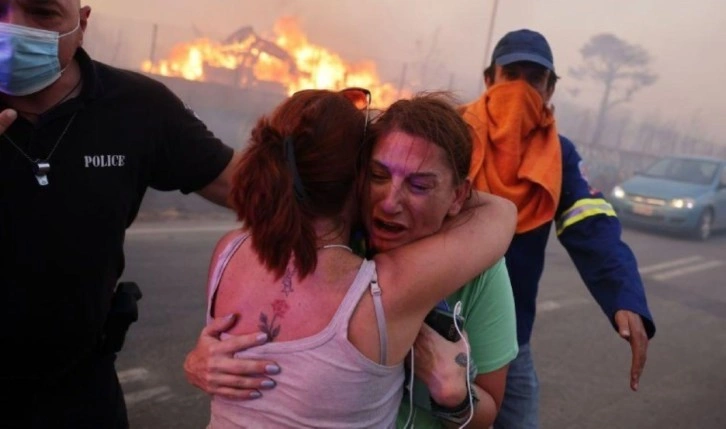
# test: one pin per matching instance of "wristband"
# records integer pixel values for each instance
(460, 413)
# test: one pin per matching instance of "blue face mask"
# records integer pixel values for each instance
(28, 58)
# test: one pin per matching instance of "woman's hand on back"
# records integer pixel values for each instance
(212, 367)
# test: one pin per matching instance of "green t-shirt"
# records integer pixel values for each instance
(490, 323)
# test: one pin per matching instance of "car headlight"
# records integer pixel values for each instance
(683, 203)
(618, 192)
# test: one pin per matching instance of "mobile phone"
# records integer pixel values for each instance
(443, 322)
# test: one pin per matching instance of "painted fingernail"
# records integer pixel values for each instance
(268, 384)
(262, 337)
(272, 369)
(255, 395)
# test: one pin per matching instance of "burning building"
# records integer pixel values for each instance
(285, 65)
(231, 82)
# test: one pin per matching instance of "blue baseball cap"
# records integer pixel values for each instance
(523, 45)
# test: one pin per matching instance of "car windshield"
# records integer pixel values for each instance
(683, 170)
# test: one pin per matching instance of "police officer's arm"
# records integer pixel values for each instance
(218, 190)
(588, 228)
(187, 156)
(7, 117)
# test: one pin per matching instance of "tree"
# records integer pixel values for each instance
(621, 67)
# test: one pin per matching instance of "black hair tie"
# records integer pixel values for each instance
(300, 194)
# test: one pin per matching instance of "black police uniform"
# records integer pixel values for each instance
(62, 244)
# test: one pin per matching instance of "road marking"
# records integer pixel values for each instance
(687, 270)
(165, 397)
(146, 394)
(548, 305)
(158, 394)
(669, 264)
(552, 305)
(180, 230)
(133, 374)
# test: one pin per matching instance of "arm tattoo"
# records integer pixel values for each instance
(461, 359)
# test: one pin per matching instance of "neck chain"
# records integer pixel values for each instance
(41, 166)
(332, 246)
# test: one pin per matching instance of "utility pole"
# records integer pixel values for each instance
(152, 51)
(492, 18)
(402, 82)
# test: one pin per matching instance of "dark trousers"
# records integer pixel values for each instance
(87, 397)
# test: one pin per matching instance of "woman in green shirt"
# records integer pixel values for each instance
(420, 157)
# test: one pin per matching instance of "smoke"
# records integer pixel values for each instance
(440, 45)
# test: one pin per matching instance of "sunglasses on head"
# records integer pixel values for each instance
(361, 99)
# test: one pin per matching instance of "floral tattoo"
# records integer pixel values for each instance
(267, 325)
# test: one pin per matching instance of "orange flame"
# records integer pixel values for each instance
(308, 66)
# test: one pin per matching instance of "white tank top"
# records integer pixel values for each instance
(325, 382)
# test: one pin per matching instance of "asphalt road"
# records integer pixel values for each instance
(582, 365)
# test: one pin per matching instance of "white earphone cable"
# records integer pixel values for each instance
(457, 311)
(411, 410)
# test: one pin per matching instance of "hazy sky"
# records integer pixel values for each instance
(686, 42)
